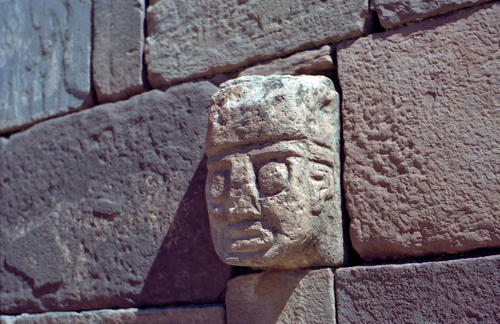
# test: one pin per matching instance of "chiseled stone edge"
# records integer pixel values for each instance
(192, 314)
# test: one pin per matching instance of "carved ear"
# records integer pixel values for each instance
(321, 187)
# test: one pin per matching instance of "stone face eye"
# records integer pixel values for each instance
(217, 185)
(273, 178)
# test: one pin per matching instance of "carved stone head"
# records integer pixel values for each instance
(273, 191)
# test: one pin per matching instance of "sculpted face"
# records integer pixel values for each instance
(265, 204)
(272, 187)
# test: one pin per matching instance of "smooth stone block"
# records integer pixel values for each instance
(165, 315)
(44, 59)
(459, 291)
(105, 208)
(118, 48)
(192, 39)
(422, 138)
(308, 62)
(286, 296)
(392, 13)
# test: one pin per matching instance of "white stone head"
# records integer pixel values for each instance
(273, 191)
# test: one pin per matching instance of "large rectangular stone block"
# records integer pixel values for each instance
(397, 12)
(214, 314)
(422, 136)
(44, 59)
(118, 48)
(460, 291)
(105, 208)
(285, 296)
(190, 39)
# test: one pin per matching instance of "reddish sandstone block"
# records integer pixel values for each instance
(422, 136)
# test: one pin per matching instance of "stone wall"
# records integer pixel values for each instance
(103, 117)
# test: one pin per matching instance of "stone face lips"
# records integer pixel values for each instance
(166, 315)
(396, 12)
(422, 142)
(294, 296)
(118, 48)
(105, 208)
(460, 291)
(190, 39)
(44, 59)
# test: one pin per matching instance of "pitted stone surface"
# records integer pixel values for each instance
(118, 48)
(166, 315)
(291, 296)
(460, 291)
(105, 208)
(307, 62)
(191, 39)
(392, 13)
(273, 183)
(422, 136)
(44, 59)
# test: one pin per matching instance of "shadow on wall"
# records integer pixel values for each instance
(186, 247)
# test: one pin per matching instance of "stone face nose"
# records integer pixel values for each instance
(243, 194)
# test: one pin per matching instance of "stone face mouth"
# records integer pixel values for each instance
(247, 237)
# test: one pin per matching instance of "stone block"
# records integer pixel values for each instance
(44, 59)
(422, 136)
(118, 49)
(392, 13)
(459, 291)
(284, 296)
(308, 62)
(192, 39)
(105, 208)
(165, 315)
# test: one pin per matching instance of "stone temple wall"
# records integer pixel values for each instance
(103, 117)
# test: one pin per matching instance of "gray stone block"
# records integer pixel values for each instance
(165, 315)
(105, 208)
(422, 142)
(397, 12)
(191, 39)
(460, 291)
(118, 48)
(44, 59)
(285, 296)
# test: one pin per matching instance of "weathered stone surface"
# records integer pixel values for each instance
(105, 208)
(273, 183)
(165, 315)
(287, 296)
(392, 13)
(118, 48)
(307, 62)
(422, 136)
(44, 59)
(460, 291)
(190, 39)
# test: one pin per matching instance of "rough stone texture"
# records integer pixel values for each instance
(460, 291)
(167, 315)
(288, 296)
(307, 62)
(44, 59)
(392, 13)
(422, 136)
(190, 39)
(273, 183)
(118, 48)
(105, 208)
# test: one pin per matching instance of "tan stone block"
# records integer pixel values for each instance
(118, 48)
(422, 136)
(287, 296)
(307, 62)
